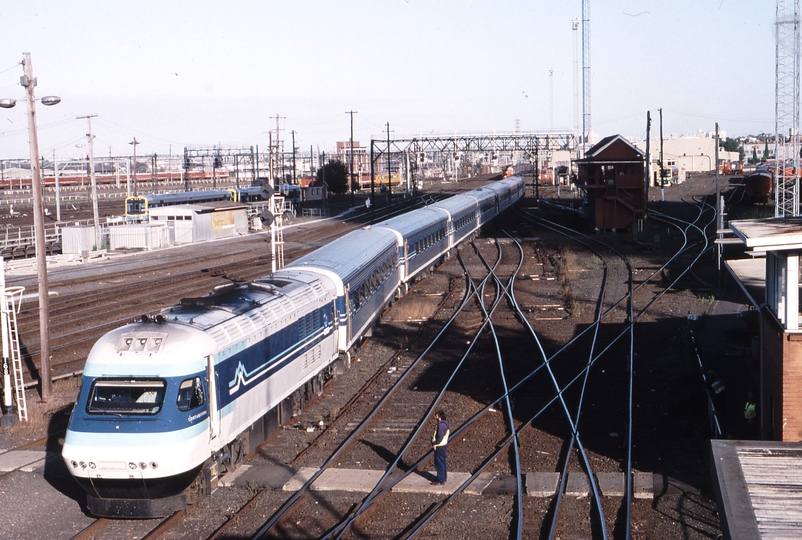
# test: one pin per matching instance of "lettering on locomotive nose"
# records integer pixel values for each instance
(194, 417)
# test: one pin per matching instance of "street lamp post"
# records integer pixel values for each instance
(29, 82)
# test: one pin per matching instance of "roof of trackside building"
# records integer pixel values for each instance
(757, 487)
(775, 234)
(199, 208)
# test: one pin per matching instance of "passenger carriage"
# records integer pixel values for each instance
(463, 220)
(422, 239)
(366, 264)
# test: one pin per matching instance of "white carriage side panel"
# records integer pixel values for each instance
(245, 331)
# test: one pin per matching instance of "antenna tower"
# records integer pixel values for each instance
(585, 73)
(786, 173)
(575, 31)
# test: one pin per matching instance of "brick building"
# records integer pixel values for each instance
(772, 280)
(612, 176)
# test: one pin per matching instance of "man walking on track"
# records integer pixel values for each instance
(439, 445)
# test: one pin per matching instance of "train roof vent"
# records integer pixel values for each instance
(141, 343)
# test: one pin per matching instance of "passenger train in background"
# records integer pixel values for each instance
(137, 207)
(170, 402)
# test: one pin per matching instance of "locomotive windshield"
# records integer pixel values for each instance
(136, 206)
(114, 396)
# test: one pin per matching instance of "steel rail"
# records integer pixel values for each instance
(574, 422)
(433, 511)
(261, 532)
(338, 531)
(519, 516)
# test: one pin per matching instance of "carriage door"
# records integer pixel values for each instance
(348, 311)
(214, 411)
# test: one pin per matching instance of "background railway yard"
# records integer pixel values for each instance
(594, 301)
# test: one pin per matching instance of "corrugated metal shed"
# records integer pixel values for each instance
(758, 487)
(139, 236)
(76, 239)
(206, 221)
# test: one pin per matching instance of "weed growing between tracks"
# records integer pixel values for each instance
(563, 262)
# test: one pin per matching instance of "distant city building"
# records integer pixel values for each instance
(688, 154)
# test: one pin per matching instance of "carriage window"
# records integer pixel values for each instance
(190, 395)
(114, 396)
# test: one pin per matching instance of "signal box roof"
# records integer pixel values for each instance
(613, 148)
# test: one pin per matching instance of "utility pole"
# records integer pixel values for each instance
(279, 149)
(647, 177)
(58, 194)
(719, 212)
(93, 183)
(551, 99)
(28, 81)
(585, 74)
(270, 159)
(575, 28)
(293, 157)
(253, 165)
(351, 166)
(372, 177)
(134, 143)
(389, 176)
(661, 174)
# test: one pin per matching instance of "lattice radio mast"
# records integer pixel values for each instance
(575, 31)
(585, 73)
(786, 173)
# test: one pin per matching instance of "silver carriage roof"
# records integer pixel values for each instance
(417, 220)
(234, 312)
(350, 254)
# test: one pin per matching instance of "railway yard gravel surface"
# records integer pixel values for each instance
(670, 423)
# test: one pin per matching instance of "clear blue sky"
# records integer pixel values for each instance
(176, 73)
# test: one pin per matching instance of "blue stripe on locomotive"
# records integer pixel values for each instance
(245, 369)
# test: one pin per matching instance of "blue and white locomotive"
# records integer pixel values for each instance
(170, 402)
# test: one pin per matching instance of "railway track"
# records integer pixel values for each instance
(572, 407)
(575, 362)
(74, 322)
